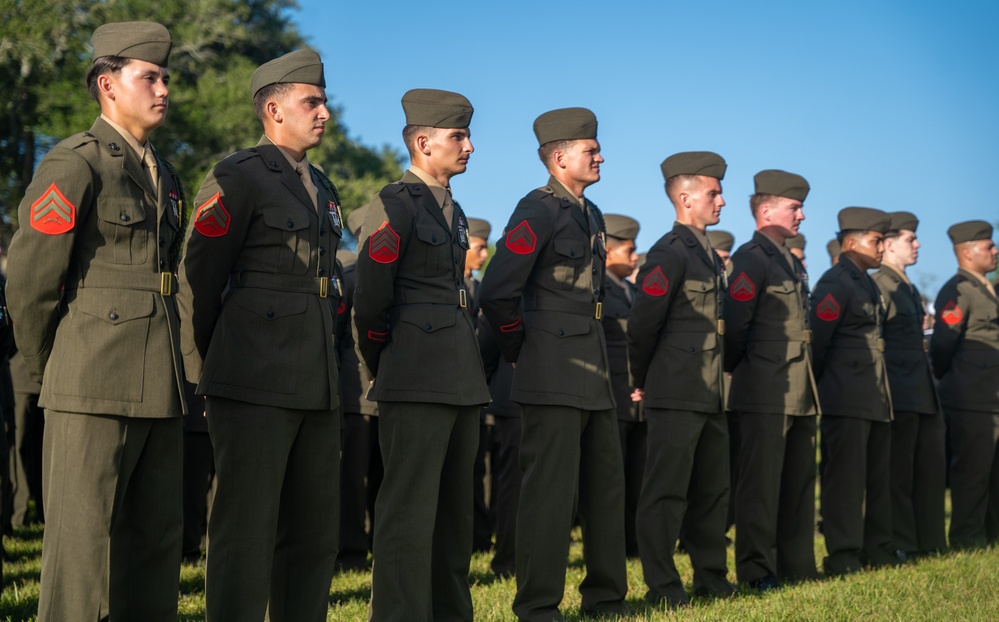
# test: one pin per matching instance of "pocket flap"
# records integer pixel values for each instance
(560, 324)
(273, 307)
(698, 286)
(124, 211)
(429, 318)
(692, 342)
(114, 306)
(569, 248)
(288, 219)
(431, 234)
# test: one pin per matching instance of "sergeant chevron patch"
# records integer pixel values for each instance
(743, 288)
(383, 245)
(828, 309)
(655, 283)
(951, 314)
(521, 239)
(212, 220)
(52, 213)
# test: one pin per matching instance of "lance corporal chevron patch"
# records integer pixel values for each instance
(951, 314)
(383, 245)
(521, 239)
(743, 288)
(655, 283)
(828, 309)
(212, 220)
(52, 213)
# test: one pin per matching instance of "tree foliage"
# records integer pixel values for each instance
(45, 53)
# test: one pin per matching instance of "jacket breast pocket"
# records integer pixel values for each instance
(288, 239)
(703, 296)
(122, 223)
(432, 254)
(570, 258)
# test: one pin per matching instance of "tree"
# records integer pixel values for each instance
(45, 53)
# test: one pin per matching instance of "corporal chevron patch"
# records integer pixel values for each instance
(383, 245)
(742, 288)
(951, 314)
(212, 220)
(655, 283)
(521, 239)
(828, 309)
(52, 213)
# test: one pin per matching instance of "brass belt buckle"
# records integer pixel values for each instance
(721, 327)
(324, 286)
(462, 299)
(807, 335)
(600, 311)
(166, 283)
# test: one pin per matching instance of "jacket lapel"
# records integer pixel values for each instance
(277, 162)
(771, 249)
(568, 202)
(419, 189)
(116, 145)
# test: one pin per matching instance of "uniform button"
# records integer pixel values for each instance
(322, 271)
(125, 218)
(596, 292)
(561, 333)
(270, 314)
(702, 288)
(163, 264)
(572, 253)
(456, 261)
(322, 250)
(322, 232)
(427, 326)
(162, 241)
(594, 271)
(690, 349)
(291, 223)
(113, 316)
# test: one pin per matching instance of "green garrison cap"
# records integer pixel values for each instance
(721, 240)
(565, 124)
(355, 220)
(782, 184)
(298, 67)
(863, 219)
(903, 220)
(970, 231)
(621, 227)
(146, 41)
(434, 108)
(833, 249)
(694, 163)
(478, 228)
(797, 242)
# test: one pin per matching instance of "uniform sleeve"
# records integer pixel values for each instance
(216, 234)
(739, 305)
(829, 300)
(657, 282)
(58, 200)
(387, 231)
(488, 348)
(949, 326)
(528, 232)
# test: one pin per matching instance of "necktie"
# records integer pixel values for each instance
(302, 168)
(448, 208)
(149, 161)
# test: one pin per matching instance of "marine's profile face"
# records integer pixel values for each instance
(303, 115)
(868, 248)
(621, 258)
(137, 96)
(582, 161)
(904, 247)
(477, 253)
(703, 199)
(450, 149)
(982, 255)
(784, 213)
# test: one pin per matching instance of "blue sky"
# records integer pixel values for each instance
(881, 104)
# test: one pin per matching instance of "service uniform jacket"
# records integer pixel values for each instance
(616, 311)
(909, 377)
(965, 345)
(91, 280)
(675, 332)
(847, 344)
(257, 297)
(767, 336)
(412, 330)
(543, 294)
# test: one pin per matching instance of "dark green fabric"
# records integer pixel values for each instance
(782, 184)
(970, 231)
(298, 67)
(565, 124)
(436, 108)
(903, 220)
(621, 227)
(863, 219)
(704, 163)
(974, 478)
(918, 481)
(146, 41)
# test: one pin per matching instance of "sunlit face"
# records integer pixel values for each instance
(136, 97)
(702, 200)
(621, 258)
(478, 251)
(784, 214)
(302, 114)
(866, 248)
(903, 248)
(981, 255)
(581, 161)
(450, 150)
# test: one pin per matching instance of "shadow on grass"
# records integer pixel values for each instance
(361, 593)
(21, 611)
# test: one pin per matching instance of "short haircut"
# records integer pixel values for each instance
(758, 199)
(410, 132)
(546, 150)
(269, 92)
(101, 66)
(674, 183)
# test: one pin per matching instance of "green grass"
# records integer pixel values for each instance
(957, 586)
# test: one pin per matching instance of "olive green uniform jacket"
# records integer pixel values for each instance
(767, 336)
(257, 298)
(412, 331)
(965, 345)
(86, 303)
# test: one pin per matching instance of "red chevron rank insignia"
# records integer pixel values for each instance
(828, 309)
(212, 220)
(743, 288)
(52, 213)
(655, 283)
(521, 239)
(383, 245)
(951, 314)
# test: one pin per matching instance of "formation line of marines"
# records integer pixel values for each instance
(606, 391)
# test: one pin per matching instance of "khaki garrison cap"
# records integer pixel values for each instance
(478, 228)
(146, 41)
(621, 227)
(434, 108)
(970, 231)
(298, 67)
(863, 219)
(694, 163)
(903, 220)
(797, 242)
(721, 240)
(782, 184)
(565, 124)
